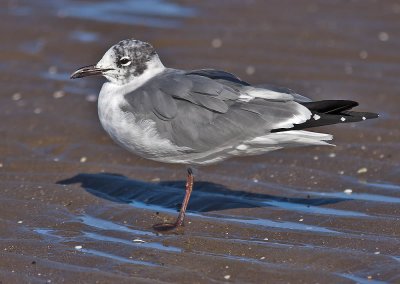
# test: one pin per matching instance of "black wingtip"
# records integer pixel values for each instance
(321, 119)
(330, 106)
(361, 115)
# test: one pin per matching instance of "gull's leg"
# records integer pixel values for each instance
(188, 192)
(181, 217)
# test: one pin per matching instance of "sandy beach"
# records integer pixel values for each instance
(77, 208)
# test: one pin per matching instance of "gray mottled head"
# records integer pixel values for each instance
(123, 62)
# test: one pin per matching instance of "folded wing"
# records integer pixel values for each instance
(204, 109)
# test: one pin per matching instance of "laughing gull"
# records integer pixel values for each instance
(200, 117)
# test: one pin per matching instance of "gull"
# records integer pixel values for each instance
(201, 117)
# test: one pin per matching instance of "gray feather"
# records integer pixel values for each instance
(205, 112)
(297, 97)
(164, 105)
(218, 75)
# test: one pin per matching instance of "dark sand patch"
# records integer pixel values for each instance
(77, 208)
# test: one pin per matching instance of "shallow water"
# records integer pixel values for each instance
(74, 206)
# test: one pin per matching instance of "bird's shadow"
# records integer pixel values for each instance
(206, 196)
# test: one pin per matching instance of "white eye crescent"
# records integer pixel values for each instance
(125, 61)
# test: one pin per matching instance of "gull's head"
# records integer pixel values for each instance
(124, 62)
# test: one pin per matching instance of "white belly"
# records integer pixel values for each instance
(140, 137)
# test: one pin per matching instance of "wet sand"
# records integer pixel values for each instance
(76, 208)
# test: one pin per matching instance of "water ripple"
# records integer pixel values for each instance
(152, 13)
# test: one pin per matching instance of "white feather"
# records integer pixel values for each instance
(291, 138)
(256, 146)
(300, 114)
(249, 93)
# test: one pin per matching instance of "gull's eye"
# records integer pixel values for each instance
(125, 61)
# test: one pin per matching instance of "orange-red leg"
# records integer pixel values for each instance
(181, 217)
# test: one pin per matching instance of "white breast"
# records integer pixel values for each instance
(138, 136)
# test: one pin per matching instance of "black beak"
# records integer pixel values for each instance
(88, 71)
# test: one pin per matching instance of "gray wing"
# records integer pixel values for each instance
(236, 83)
(297, 97)
(205, 109)
(221, 76)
